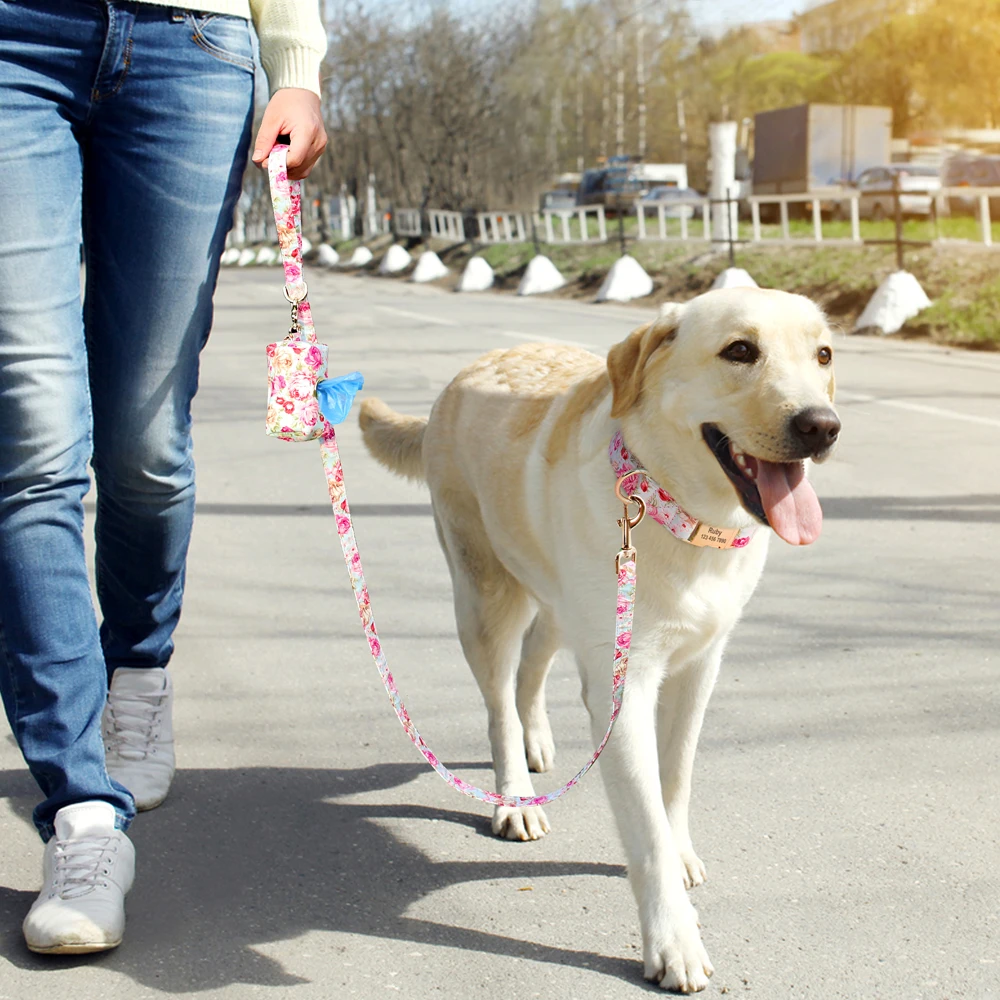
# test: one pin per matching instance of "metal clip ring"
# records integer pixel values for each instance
(621, 479)
(301, 298)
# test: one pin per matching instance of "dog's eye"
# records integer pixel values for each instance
(741, 351)
(825, 356)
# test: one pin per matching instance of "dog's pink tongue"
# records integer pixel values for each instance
(790, 502)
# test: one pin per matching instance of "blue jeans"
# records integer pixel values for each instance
(125, 128)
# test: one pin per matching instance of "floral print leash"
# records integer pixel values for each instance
(286, 199)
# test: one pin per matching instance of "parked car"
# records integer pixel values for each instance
(918, 183)
(673, 198)
(610, 186)
(971, 172)
(623, 179)
(557, 201)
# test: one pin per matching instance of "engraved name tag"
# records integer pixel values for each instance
(715, 538)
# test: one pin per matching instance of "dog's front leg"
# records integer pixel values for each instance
(673, 954)
(681, 708)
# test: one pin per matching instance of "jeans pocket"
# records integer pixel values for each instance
(224, 36)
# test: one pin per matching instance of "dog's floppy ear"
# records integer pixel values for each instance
(627, 360)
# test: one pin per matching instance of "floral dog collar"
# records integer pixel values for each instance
(633, 480)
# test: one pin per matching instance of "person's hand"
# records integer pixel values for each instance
(295, 113)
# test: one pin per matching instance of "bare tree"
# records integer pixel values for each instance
(486, 108)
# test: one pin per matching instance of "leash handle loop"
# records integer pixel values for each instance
(286, 200)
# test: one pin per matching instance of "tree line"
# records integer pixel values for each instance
(473, 107)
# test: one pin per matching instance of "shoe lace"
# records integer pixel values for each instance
(134, 723)
(78, 865)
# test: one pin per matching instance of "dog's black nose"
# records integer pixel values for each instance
(816, 428)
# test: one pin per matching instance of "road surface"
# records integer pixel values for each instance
(846, 799)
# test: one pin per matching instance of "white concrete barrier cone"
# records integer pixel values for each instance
(625, 281)
(360, 257)
(396, 259)
(477, 276)
(734, 277)
(306, 245)
(246, 257)
(541, 275)
(266, 255)
(896, 300)
(229, 256)
(326, 256)
(429, 267)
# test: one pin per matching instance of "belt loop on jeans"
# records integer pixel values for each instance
(177, 15)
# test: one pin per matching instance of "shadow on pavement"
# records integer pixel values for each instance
(239, 858)
(313, 510)
(974, 507)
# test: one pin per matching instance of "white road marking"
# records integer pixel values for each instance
(847, 397)
(544, 338)
(933, 411)
(437, 320)
(516, 334)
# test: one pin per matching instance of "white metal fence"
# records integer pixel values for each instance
(832, 197)
(669, 221)
(578, 233)
(407, 222)
(501, 227)
(686, 209)
(981, 196)
(447, 225)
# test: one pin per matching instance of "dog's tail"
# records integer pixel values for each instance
(394, 440)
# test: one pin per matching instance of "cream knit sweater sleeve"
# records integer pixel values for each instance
(292, 42)
(292, 36)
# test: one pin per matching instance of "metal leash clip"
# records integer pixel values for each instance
(627, 523)
(294, 331)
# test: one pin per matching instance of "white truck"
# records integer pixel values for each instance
(811, 147)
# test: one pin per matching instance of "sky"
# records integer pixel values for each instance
(710, 12)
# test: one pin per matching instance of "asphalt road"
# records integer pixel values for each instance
(846, 799)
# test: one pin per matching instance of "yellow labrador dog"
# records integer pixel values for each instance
(722, 401)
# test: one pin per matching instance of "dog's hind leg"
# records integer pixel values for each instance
(537, 650)
(680, 711)
(492, 610)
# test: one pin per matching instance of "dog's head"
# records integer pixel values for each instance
(725, 397)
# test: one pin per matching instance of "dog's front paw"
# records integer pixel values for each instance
(675, 958)
(693, 868)
(524, 823)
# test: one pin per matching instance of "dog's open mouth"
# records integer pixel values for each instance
(776, 493)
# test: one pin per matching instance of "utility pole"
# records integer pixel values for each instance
(555, 107)
(681, 120)
(579, 97)
(555, 130)
(640, 76)
(620, 87)
(605, 109)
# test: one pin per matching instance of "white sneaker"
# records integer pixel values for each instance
(139, 733)
(87, 869)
